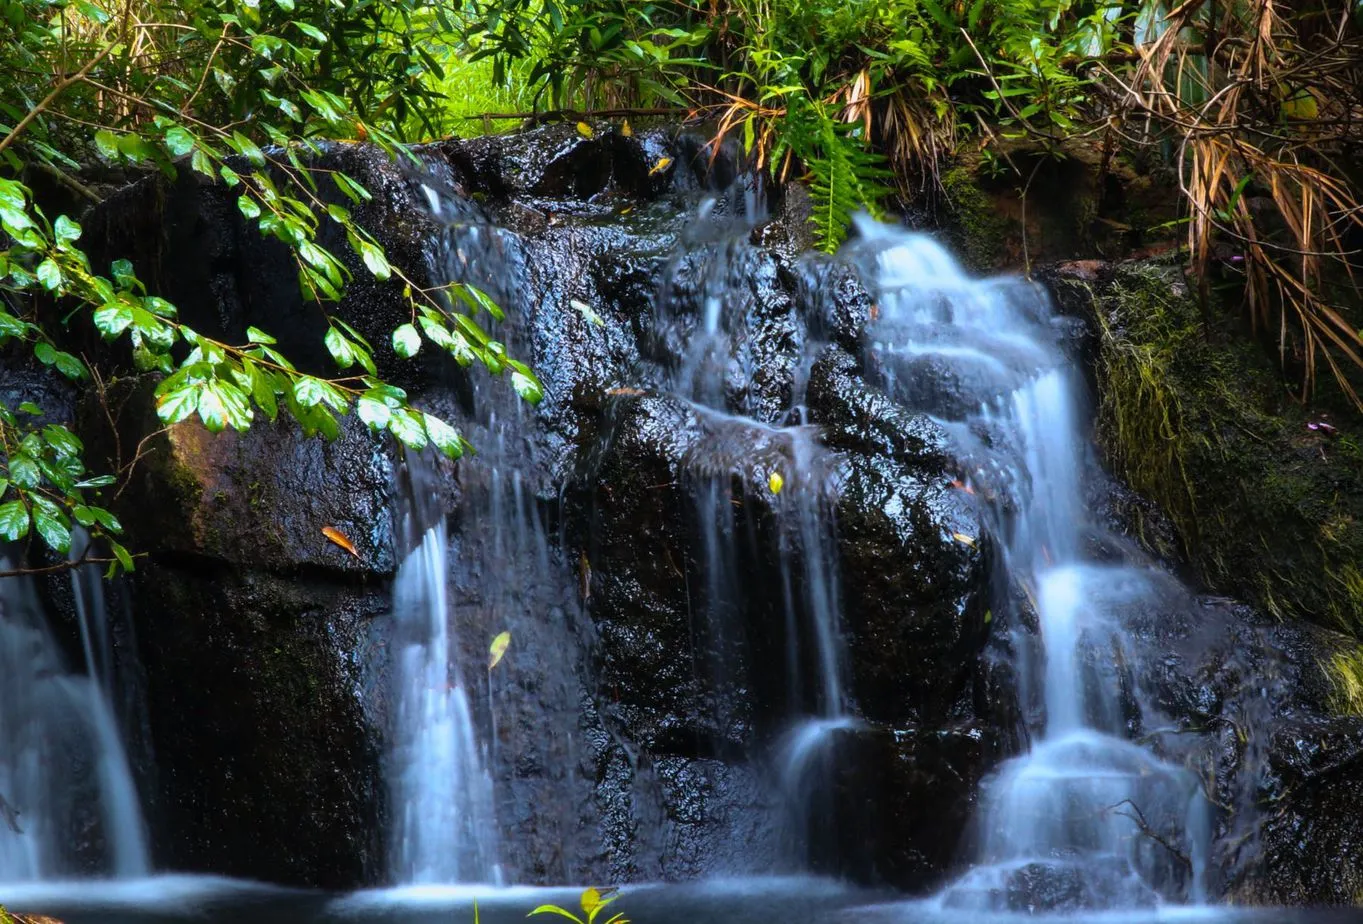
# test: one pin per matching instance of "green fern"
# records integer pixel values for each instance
(845, 174)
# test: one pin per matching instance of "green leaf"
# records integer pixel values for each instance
(84, 515)
(375, 260)
(406, 341)
(340, 348)
(247, 149)
(175, 406)
(124, 559)
(14, 520)
(65, 230)
(179, 141)
(256, 335)
(444, 437)
(248, 207)
(263, 390)
(4, 486)
(221, 405)
(200, 163)
(107, 520)
(308, 391)
(23, 471)
(113, 319)
(407, 426)
(69, 366)
(49, 274)
(308, 29)
(10, 326)
(51, 525)
(527, 386)
(135, 148)
(376, 414)
(106, 143)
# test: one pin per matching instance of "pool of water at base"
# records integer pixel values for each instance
(790, 900)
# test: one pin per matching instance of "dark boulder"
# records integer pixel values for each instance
(914, 557)
(256, 635)
(265, 729)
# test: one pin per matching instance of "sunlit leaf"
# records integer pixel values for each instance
(776, 482)
(498, 649)
(406, 341)
(340, 538)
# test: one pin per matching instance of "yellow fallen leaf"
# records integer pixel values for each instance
(338, 537)
(626, 130)
(776, 482)
(963, 539)
(585, 130)
(662, 164)
(499, 646)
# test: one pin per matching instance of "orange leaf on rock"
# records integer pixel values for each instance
(340, 538)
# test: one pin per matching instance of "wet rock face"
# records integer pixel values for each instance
(652, 658)
(266, 743)
(257, 637)
(1248, 701)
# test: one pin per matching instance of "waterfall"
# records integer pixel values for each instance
(709, 294)
(444, 823)
(68, 803)
(1085, 818)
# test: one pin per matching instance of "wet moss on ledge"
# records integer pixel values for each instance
(1266, 495)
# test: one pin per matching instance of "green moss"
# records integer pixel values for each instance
(980, 232)
(1198, 418)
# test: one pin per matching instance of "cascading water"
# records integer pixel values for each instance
(67, 796)
(716, 373)
(444, 820)
(1085, 818)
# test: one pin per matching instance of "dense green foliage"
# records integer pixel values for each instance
(244, 93)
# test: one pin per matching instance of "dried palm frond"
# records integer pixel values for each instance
(1264, 116)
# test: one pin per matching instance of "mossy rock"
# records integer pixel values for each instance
(1266, 494)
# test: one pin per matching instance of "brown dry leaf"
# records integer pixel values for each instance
(625, 392)
(340, 538)
(960, 485)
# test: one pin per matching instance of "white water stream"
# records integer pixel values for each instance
(1084, 818)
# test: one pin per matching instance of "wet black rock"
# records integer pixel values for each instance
(889, 830)
(266, 739)
(256, 500)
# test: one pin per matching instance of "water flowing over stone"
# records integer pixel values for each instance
(445, 826)
(795, 552)
(68, 802)
(1084, 818)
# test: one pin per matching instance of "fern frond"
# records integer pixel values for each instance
(845, 174)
